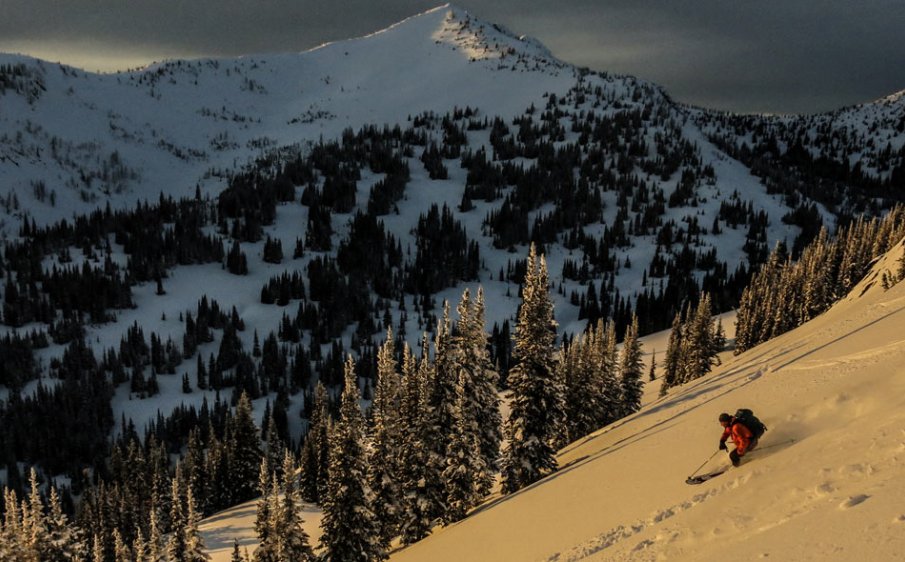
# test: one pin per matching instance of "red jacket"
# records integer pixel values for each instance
(741, 436)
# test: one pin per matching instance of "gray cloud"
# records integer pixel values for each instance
(774, 55)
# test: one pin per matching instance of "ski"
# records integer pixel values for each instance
(701, 478)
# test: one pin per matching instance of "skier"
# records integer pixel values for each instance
(743, 438)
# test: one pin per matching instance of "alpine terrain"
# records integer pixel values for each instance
(434, 294)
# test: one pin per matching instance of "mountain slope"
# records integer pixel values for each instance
(131, 135)
(826, 483)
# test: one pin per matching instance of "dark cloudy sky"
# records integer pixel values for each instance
(767, 55)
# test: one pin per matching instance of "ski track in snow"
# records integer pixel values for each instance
(624, 532)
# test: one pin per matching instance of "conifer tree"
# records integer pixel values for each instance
(315, 451)
(236, 556)
(464, 463)
(121, 551)
(156, 550)
(97, 549)
(386, 442)
(262, 513)
(64, 540)
(292, 540)
(349, 529)
(536, 414)
(481, 396)
(176, 546)
(10, 530)
(417, 500)
(609, 369)
(139, 546)
(631, 370)
(194, 543)
(35, 537)
(672, 362)
(244, 452)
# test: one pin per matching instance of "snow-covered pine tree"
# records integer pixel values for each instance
(244, 452)
(384, 459)
(274, 446)
(652, 371)
(315, 457)
(121, 550)
(292, 541)
(268, 535)
(464, 463)
(349, 529)
(176, 547)
(64, 539)
(582, 379)
(482, 395)
(194, 542)
(414, 522)
(35, 538)
(610, 388)
(631, 370)
(156, 550)
(10, 527)
(568, 374)
(536, 414)
(672, 362)
(139, 546)
(698, 347)
(97, 549)
(262, 509)
(195, 469)
(236, 555)
(442, 390)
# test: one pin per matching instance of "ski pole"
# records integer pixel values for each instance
(705, 462)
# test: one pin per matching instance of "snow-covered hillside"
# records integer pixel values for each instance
(826, 482)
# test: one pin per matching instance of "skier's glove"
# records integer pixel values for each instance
(723, 446)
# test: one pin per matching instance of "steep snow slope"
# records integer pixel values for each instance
(826, 484)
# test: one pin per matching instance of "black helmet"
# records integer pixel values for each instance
(724, 417)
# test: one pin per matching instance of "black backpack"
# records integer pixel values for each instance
(747, 418)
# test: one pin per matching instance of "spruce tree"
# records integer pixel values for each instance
(194, 543)
(672, 361)
(176, 547)
(609, 369)
(631, 370)
(464, 462)
(10, 528)
(386, 443)
(482, 403)
(140, 547)
(244, 452)
(262, 512)
(156, 550)
(64, 539)
(418, 501)
(536, 414)
(121, 551)
(292, 541)
(349, 529)
(315, 451)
